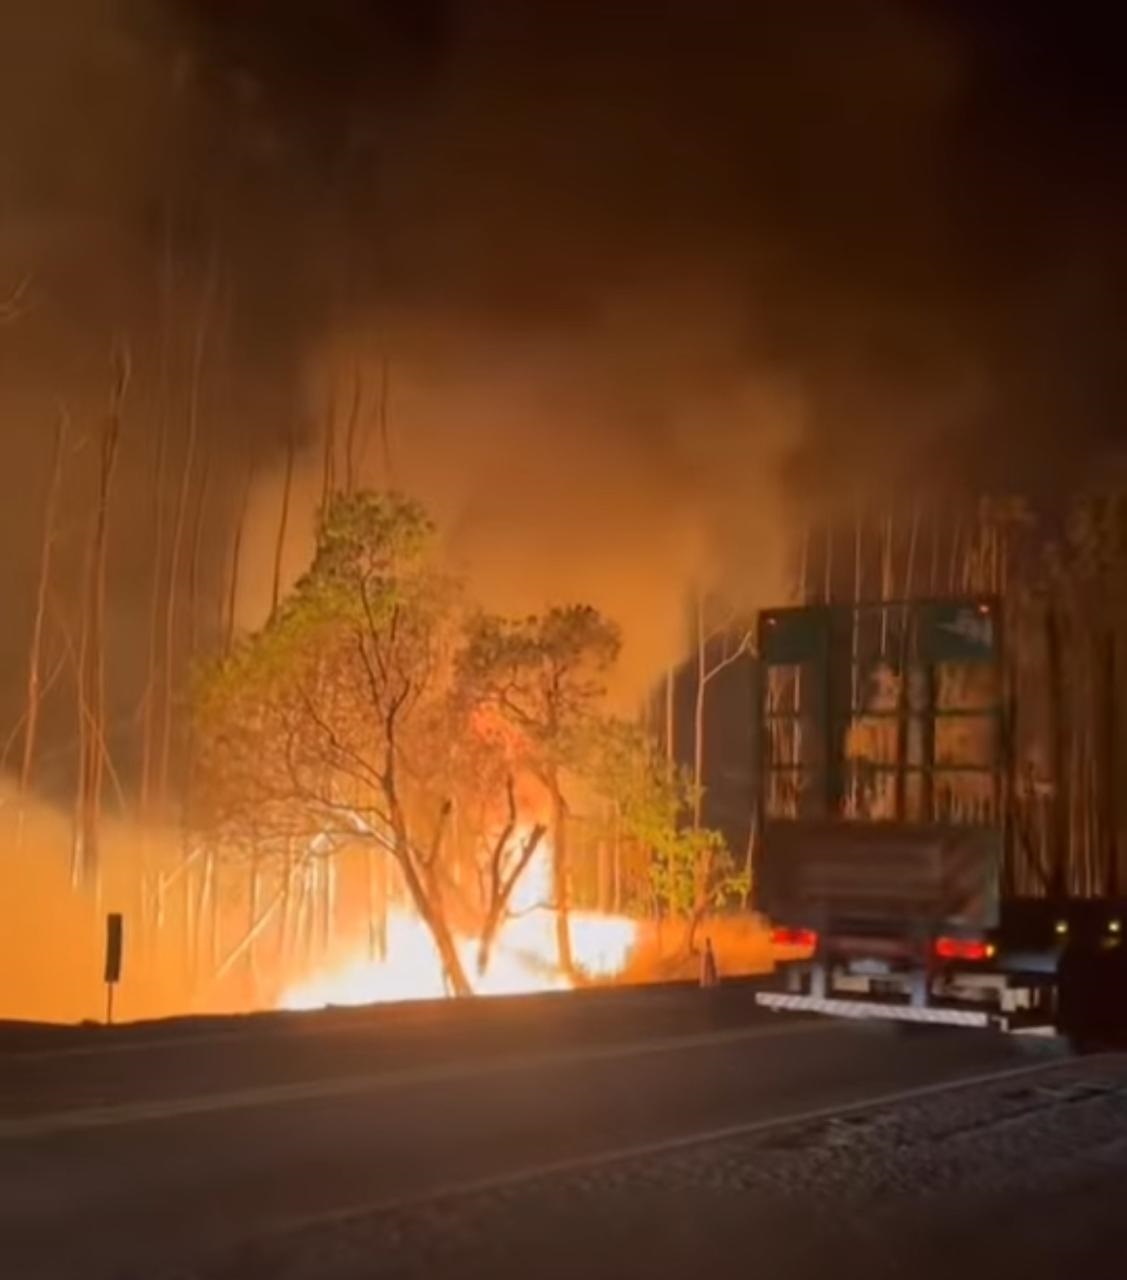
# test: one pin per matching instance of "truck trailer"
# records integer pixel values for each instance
(888, 858)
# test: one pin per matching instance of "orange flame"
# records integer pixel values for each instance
(523, 958)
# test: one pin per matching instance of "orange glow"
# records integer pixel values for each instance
(523, 957)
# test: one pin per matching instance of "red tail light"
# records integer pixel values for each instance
(806, 939)
(963, 949)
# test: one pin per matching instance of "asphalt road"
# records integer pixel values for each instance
(128, 1152)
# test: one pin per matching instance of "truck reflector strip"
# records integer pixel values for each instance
(871, 1009)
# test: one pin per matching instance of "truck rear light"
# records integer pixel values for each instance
(785, 936)
(963, 949)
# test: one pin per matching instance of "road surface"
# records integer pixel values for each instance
(139, 1154)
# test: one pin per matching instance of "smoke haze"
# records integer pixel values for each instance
(635, 289)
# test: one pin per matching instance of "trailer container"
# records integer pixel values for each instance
(886, 856)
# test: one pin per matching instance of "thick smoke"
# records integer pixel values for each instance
(635, 289)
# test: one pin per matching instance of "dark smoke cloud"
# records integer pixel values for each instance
(646, 278)
(909, 210)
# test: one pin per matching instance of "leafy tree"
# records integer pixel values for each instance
(544, 678)
(691, 870)
(327, 723)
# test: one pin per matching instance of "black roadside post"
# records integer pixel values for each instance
(114, 932)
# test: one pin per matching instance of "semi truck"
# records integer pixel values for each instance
(888, 859)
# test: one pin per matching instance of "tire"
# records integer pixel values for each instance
(1092, 999)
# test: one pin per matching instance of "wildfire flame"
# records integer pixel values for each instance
(523, 957)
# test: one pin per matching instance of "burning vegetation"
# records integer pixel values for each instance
(371, 709)
(394, 794)
(262, 264)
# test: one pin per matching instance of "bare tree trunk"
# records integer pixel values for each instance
(376, 867)
(329, 458)
(195, 910)
(425, 888)
(194, 563)
(205, 920)
(385, 427)
(91, 679)
(886, 582)
(561, 875)
(435, 919)
(935, 538)
(370, 884)
(188, 900)
(698, 713)
(35, 651)
(176, 549)
(1091, 792)
(1078, 867)
(956, 546)
(233, 575)
(1109, 768)
(616, 848)
(706, 671)
(328, 924)
(858, 582)
(149, 714)
(910, 565)
(283, 522)
(383, 889)
(1058, 766)
(254, 897)
(350, 459)
(503, 878)
(153, 680)
(300, 894)
(216, 921)
(286, 916)
(421, 871)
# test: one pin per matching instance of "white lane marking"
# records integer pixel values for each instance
(647, 1150)
(78, 1118)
